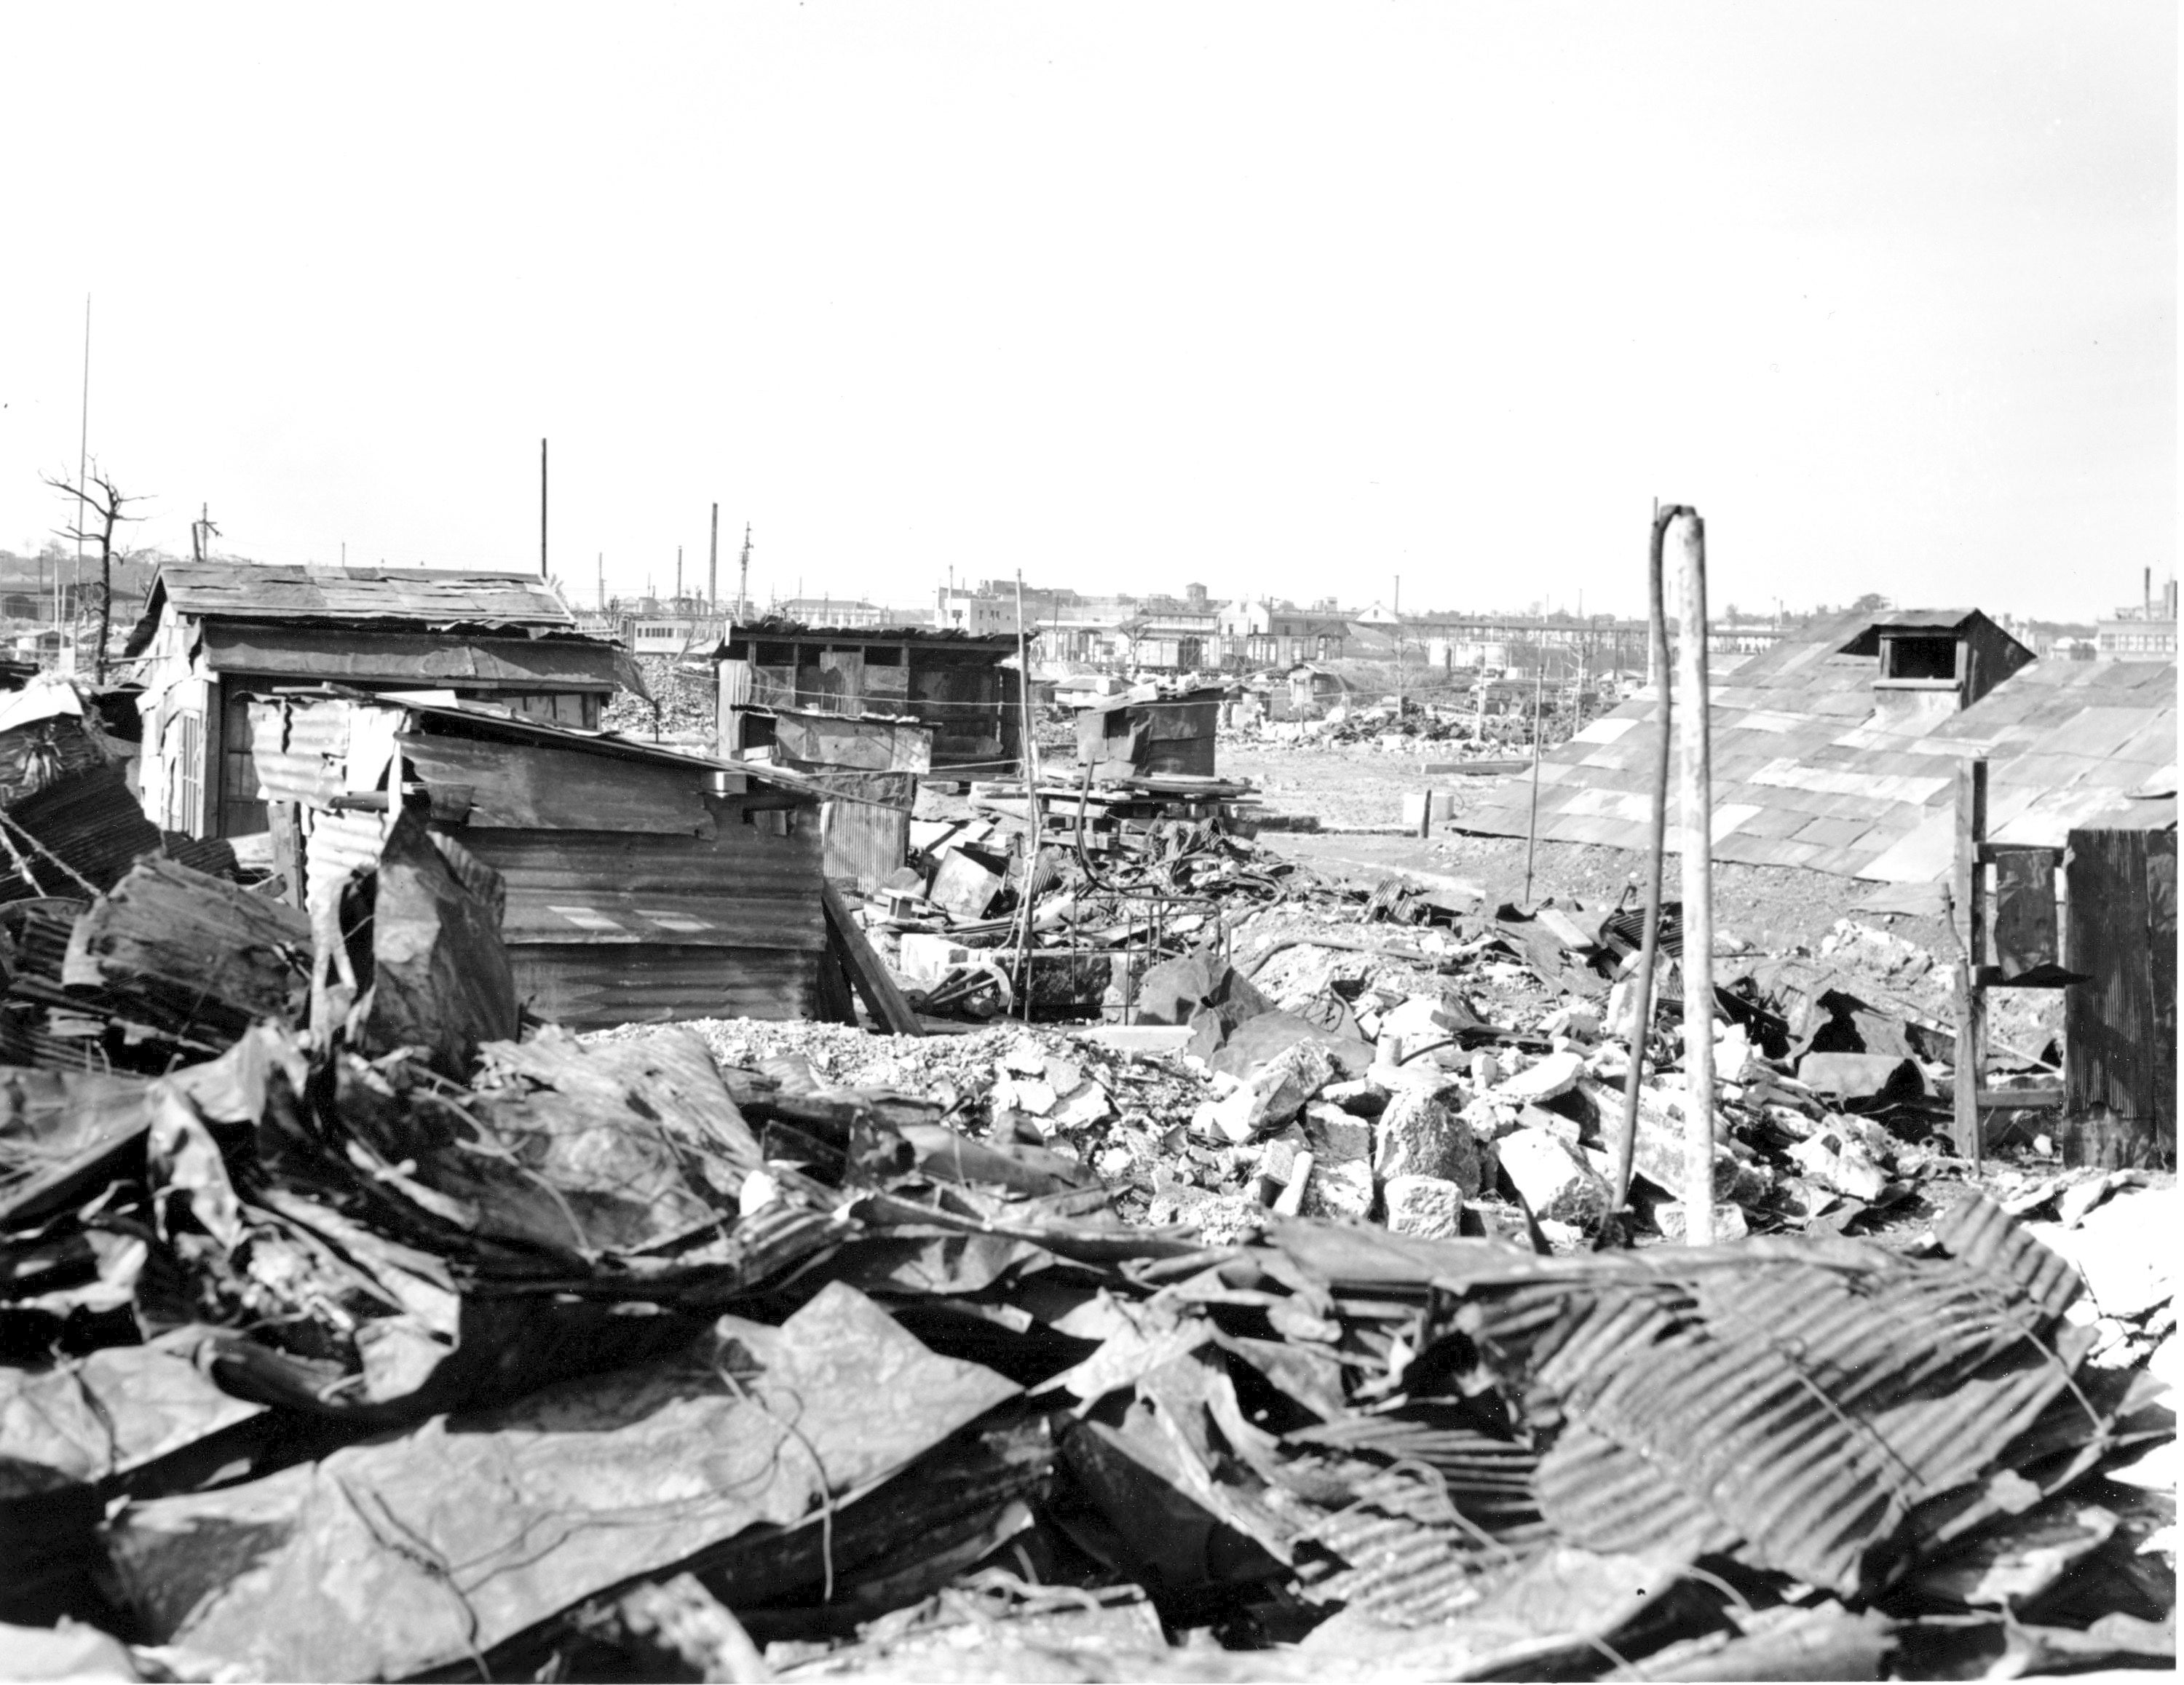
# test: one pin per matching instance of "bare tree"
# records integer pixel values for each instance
(101, 507)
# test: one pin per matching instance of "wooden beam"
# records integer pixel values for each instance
(1971, 929)
(874, 986)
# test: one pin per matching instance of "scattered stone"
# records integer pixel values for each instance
(1729, 1223)
(1339, 1190)
(1555, 1074)
(1427, 1205)
(1417, 1136)
(1361, 1097)
(1337, 1138)
(1555, 1182)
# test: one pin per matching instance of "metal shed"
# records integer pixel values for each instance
(642, 885)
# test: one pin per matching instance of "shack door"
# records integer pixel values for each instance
(241, 813)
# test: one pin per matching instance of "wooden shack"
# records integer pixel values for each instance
(1135, 735)
(867, 712)
(949, 683)
(642, 885)
(216, 637)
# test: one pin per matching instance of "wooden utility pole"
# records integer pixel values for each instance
(603, 581)
(1970, 913)
(1697, 798)
(1397, 609)
(543, 574)
(679, 579)
(1532, 825)
(713, 567)
(1035, 827)
(742, 582)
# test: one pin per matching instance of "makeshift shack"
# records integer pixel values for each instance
(217, 635)
(1838, 750)
(642, 885)
(865, 712)
(1146, 732)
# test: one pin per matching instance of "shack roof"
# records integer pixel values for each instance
(495, 723)
(953, 638)
(420, 598)
(1807, 772)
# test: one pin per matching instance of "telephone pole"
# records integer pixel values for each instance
(713, 567)
(543, 574)
(743, 588)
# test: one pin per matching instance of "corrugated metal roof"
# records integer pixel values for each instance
(1797, 741)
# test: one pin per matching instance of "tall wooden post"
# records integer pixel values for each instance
(713, 567)
(1971, 929)
(1697, 794)
(543, 572)
(1532, 824)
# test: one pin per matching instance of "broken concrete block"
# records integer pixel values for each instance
(1427, 1205)
(1840, 1162)
(1290, 1079)
(926, 957)
(1234, 1117)
(1064, 1076)
(1418, 1135)
(1486, 1072)
(1024, 1056)
(1361, 1097)
(1339, 1190)
(1090, 1104)
(1278, 1155)
(1728, 1222)
(1023, 1094)
(1580, 1023)
(1336, 1137)
(1420, 1022)
(1555, 1074)
(1555, 1181)
(1657, 1151)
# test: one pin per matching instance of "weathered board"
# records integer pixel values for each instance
(2120, 1030)
(593, 987)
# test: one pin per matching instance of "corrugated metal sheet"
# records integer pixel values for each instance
(1810, 1406)
(1796, 733)
(91, 820)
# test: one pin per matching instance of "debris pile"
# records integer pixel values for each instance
(369, 1329)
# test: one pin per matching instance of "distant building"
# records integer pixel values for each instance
(2147, 632)
(1270, 634)
(836, 611)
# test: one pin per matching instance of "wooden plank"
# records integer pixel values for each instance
(594, 988)
(517, 786)
(2111, 1025)
(1971, 925)
(873, 984)
(2025, 925)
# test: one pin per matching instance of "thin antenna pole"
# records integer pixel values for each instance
(678, 576)
(543, 572)
(82, 456)
(1398, 611)
(713, 567)
(742, 582)
(603, 581)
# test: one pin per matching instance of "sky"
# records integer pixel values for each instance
(1281, 299)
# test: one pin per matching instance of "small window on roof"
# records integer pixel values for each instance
(1919, 658)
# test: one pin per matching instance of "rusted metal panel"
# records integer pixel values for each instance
(91, 820)
(531, 788)
(816, 740)
(864, 843)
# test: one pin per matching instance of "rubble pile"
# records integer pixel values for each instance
(358, 1325)
(681, 707)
